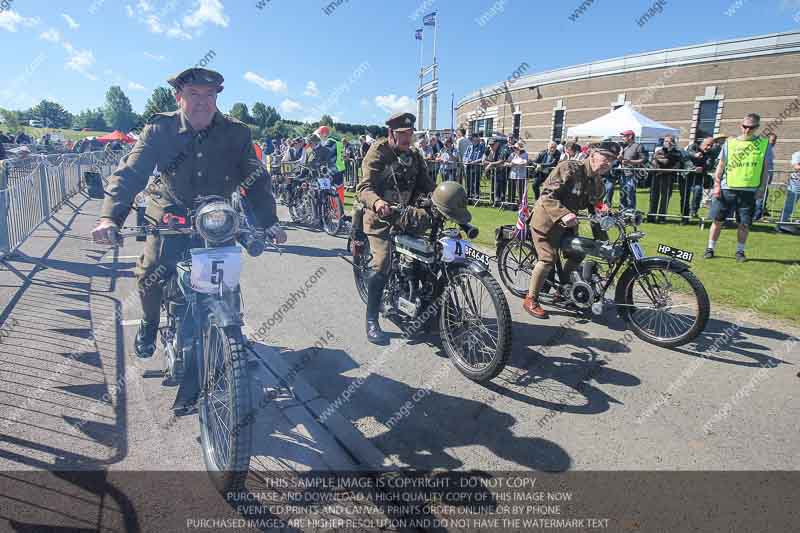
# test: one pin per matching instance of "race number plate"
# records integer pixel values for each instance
(212, 266)
(683, 255)
(638, 253)
(324, 183)
(473, 253)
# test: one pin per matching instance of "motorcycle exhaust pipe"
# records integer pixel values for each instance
(470, 230)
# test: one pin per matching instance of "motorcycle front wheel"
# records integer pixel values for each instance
(475, 324)
(665, 307)
(225, 408)
(332, 213)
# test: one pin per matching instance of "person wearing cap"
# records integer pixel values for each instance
(545, 162)
(633, 155)
(472, 165)
(495, 159)
(336, 153)
(570, 187)
(393, 174)
(792, 195)
(198, 151)
(739, 181)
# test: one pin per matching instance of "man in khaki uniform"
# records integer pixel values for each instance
(393, 173)
(198, 151)
(570, 187)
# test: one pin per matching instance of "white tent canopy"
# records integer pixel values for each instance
(622, 119)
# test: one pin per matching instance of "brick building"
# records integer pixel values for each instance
(701, 89)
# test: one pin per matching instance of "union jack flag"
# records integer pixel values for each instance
(523, 214)
(429, 19)
(418, 34)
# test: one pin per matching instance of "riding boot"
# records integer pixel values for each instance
(145, 343)
(375, 285)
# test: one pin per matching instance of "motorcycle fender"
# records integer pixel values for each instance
(648, 262)
(225, 314)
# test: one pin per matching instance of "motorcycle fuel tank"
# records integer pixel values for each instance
(418, 248)
(582, 246)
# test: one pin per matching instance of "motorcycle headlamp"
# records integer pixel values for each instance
(217, 222)
(637, 218)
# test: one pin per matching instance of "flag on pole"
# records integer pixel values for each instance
(523, 214)
(429, 19)
(418, 34)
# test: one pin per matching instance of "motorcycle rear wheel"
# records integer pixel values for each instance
(361, 268)
(224, 408)
(478, 346)
(332, 213)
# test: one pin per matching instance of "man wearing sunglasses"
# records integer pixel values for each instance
(739, 181)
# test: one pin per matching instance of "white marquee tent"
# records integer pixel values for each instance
(622, 119)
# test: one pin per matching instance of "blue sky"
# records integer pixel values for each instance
(359, 63)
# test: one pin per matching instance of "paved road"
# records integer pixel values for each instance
(577, 395)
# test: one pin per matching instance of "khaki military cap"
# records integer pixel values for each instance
(197, 76)
(401, 122)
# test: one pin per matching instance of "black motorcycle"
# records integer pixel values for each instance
(312, 199)
(660, 298)
(442, 276)
(202, 341)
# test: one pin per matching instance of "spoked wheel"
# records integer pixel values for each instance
(665, 307)
(361, 267)
(293, 200)
(475, 324)
(332, 213)
(224, 408)
(515, 264)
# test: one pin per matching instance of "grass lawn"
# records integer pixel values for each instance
(727, 282)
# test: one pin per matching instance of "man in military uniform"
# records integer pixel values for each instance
(198, 151)
(570, 187)
(393, 173)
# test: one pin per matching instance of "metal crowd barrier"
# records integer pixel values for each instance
(27, 201)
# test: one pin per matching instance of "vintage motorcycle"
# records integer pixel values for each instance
(660, 298)
(313, 199)
(441, 276)
(202, 341)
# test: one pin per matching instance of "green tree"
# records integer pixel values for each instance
(326, 120)
(265, 116)
(92, 119)
(239, 112)
(118, 112)
(161, 101)
(51, 114)
(11, 121)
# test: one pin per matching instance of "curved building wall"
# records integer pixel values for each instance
(763, 79)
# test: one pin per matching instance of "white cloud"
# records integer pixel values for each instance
(51, 35)
(276, 86)
(154, 24)
(144, 5)
(290, 106)
(135, 86)
(70, 21)
(392, 103)
(154, 57)
(10, 20)
(176, 32)
(311, 89)
(129, 11)
(208, 11)
(80, 61)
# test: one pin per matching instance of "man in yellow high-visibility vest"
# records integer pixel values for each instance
(740, 180)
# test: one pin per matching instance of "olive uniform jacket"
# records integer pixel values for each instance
(380, 168)
(214, 161)
(570, 187)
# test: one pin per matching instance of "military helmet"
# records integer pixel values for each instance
(451, 199)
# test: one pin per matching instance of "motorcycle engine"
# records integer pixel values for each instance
(582, 290)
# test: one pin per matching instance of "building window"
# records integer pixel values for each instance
(484, 125)
(706, 119)
(517, 123)
(558, 125)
